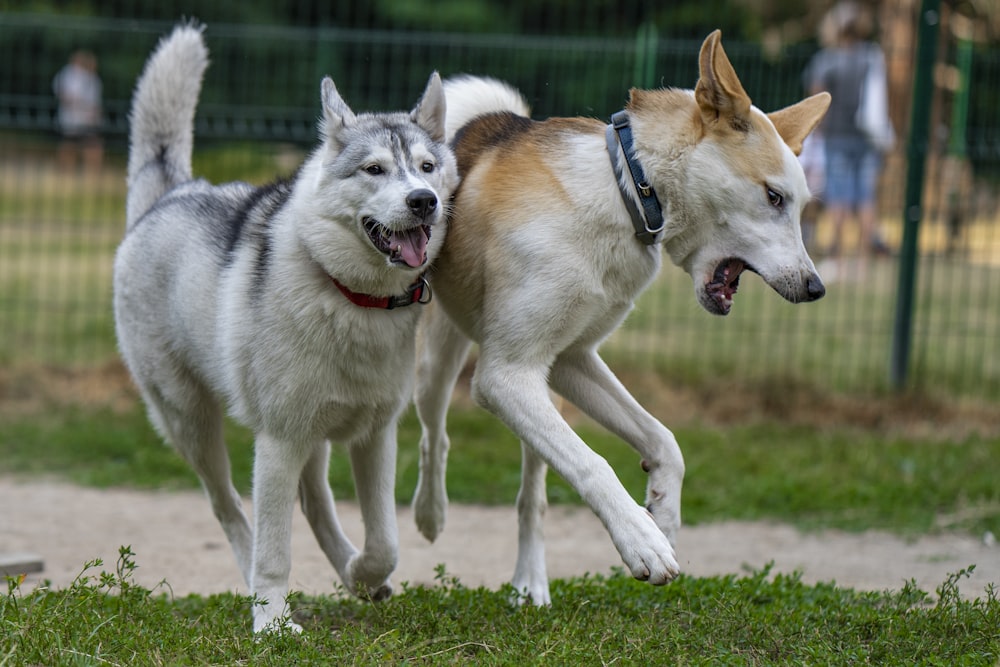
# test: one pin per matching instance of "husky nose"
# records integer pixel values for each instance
(814, 287)
(422, 202)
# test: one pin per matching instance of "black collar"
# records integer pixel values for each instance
(648, 222)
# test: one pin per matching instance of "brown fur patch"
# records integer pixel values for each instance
(510, 173)
(514, 156)
(487, 132)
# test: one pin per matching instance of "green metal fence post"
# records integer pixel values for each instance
(917, 146)
(646, 43)
(960, 113)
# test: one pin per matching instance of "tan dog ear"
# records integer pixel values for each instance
(719, 93)
(794, 123)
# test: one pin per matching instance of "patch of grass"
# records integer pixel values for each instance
(758, 619)
(841, 478)
(814, 478)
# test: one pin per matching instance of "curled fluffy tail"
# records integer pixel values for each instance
(162, 118)
(471, 96)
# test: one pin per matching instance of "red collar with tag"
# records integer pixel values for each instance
(418, 292)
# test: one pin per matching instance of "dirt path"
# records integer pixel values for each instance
(176, 538)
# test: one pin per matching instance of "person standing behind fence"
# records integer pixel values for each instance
(844, 67)
(78, 89)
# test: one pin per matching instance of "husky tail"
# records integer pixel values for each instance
(471, 96)
(162, 118)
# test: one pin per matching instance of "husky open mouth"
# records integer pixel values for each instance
(725, 282)
(403, 247)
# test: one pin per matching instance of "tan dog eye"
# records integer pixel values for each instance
(775, 198)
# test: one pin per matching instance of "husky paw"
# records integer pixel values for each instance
(267, 624)
(531, 591)
(383, 592)
(531, 577)
(373, 593)
(430, 505)
(368, 578)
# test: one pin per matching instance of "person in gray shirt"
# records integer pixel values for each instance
(78, 90)
(853, 161)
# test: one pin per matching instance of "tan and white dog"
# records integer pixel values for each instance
(556, 229)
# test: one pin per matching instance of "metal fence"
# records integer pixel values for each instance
(59, 224)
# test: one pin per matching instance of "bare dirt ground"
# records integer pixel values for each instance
(177, 540)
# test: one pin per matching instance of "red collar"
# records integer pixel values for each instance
(418, 292)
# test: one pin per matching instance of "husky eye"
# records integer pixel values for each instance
(374, 170)
(427, 167)
(775, 198)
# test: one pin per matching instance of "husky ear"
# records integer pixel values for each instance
(336, 113)
(719, 93)
(430, 110)
(794, 123)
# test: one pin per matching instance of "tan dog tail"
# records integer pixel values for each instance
(471, 96)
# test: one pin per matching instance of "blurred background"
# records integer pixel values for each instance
(62, 194)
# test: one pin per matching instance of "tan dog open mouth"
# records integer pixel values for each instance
(725, 282)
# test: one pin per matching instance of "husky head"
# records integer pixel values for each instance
(387, 177)
(742, 192)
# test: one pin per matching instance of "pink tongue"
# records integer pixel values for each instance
(412, 246)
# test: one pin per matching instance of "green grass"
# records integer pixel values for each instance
(758, 619)
(835, 477)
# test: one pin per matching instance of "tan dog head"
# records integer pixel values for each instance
(737, 203)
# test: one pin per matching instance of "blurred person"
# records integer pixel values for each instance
(854, 157)
(813, 161)
(78, 89)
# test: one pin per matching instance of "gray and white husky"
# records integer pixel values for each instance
(292, 305)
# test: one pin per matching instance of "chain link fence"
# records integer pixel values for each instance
(60, 221)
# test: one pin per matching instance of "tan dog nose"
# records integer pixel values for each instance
(814, 287)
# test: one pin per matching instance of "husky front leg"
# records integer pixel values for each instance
(586, 381)
(373, 461)
(277, 468)
(317, 502)
(517, 392)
